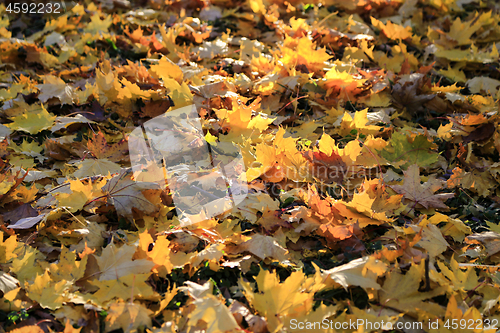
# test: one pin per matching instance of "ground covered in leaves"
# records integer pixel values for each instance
(370, 138)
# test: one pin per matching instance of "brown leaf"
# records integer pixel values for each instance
(422, 195)
(405, 93)
(125, 194)
(55, 150)
(155, 108)
(100, 148)
(482, 133)
(327, 169)
(21, 212)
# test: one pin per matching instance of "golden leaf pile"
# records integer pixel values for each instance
(370, 136)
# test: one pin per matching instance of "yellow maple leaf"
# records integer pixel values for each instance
(68, 268)
(276, 301)
(33, 120)
(462, 32)
(361, 272)
(77, 196)
(401, 291)
(341, 84)
(454, 74)
(455, 277)
(25, 266)
(392, 30)
(444, 131)
(94, 167)
(400, 54)
(163, 259)
(179, 93)
(166, 69)
(132, 285)
(214, 313)
(127, 316)
(240, 121)
(453, 227)
(302, 51)
(7, 248)
(117, 262)
(46, 292)
(358, 123)
(97, 25)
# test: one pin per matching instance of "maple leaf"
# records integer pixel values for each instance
(97, 25)
(422, 195)
(483, 84)
(68, 269)
(47, 293)
(405, 150)
(275, 300)
(122, 288)
(7, 248)
(361, 272)
(461, 32)
(55, 87)
(479, 182)
(327, 169)
(456, 277)
(453, 227)
(263, 247)
(95, 167)
(405, 93)
(430, 238)
(393, 31)
(302, 51)
(25, 266)
(358, 123)
(125, 194)
(167, 69)
(214, 313)
(342, 84)
(402, 291)
(33, 121)
(76, 196)
(127, 316)
(117, 262)
(100, 148)
(164, 260)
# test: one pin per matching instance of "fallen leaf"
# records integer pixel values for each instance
(422, 195)
(117, 262)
